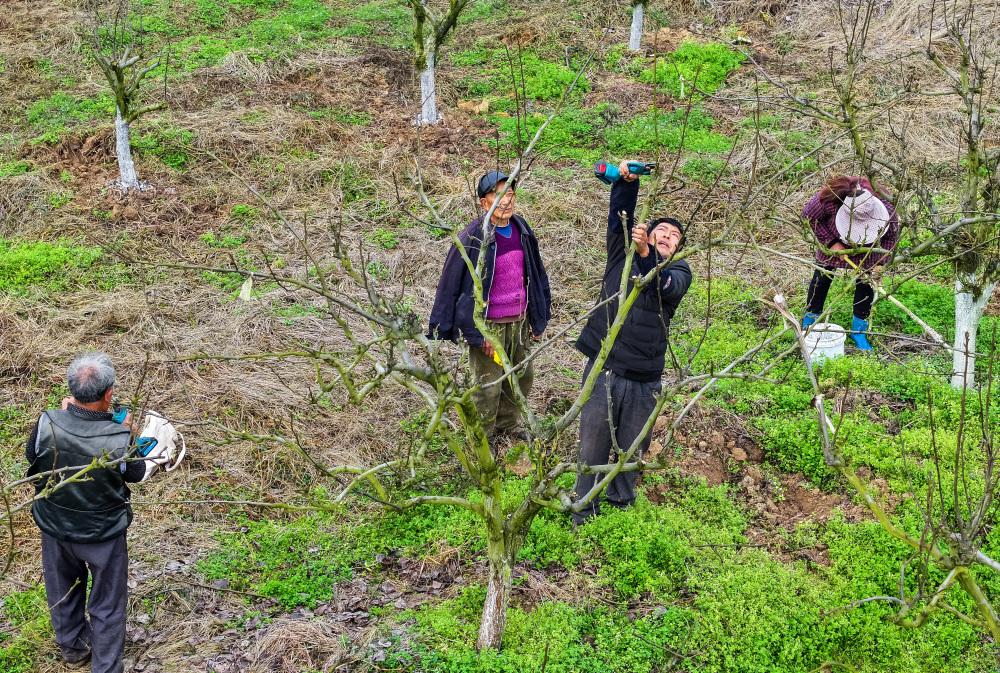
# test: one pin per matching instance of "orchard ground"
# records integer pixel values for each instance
(731, 561)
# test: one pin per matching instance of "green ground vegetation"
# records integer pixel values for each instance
(672, 576)
(28, 613)
(704, 593)
(700, 591)
(42, 268)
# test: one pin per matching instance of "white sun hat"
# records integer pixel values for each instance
(862, 219)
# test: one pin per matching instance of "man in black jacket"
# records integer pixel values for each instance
(83, 522)
(517, 296)
(624, 394)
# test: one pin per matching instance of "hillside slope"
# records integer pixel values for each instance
(731, 561)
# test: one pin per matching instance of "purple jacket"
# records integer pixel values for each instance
(452, 317)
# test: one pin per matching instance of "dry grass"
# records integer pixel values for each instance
(898, 27)
(289, 646)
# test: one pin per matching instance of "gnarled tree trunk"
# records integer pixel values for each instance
(123, 149)
(635, 39)
(505, 534)
(968, 313)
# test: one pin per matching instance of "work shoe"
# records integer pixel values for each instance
(78, 660)
(514, 434)
(808, 319)
(860, 340)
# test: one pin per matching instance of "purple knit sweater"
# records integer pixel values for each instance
(508, 296)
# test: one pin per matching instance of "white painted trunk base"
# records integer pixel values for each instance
(428, 105)
(494, 620)
(123, 148)
(968, 313)
(635, 39)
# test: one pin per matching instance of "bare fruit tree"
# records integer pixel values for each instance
(386, 346)
(958, 507)
(382, 343)
(123, 56)
(430, 29)
(949, 55)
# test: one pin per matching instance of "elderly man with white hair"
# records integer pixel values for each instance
(83, 522)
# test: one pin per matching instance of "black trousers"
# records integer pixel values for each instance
(66, 566)
(819, 286)
(629, 408)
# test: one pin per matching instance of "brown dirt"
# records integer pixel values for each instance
(715, 447)
(993, 308)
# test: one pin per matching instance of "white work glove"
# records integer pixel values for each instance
(157, 445)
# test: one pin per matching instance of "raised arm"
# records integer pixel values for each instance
(624, 195)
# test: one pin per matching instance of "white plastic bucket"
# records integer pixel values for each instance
(825, 340)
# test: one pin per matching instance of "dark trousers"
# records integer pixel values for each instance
(66, 566)
(628, 409)
(819, 286)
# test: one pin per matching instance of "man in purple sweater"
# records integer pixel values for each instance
(517, 295)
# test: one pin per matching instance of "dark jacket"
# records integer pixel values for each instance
(452, 316)
(90, 511)
(638, 353)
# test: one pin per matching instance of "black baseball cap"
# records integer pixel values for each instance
(489, 182)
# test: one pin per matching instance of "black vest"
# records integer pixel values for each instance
(84, 512)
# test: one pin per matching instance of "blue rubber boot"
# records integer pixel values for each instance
(860, 340)
(808, 319)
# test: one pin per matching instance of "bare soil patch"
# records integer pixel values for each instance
(715, 446)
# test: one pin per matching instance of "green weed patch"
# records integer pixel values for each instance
(544, 80)
(166, 144)
(15, 168)
(262, 29)
(27, 614)
(491, 11)
(672, 130)
(566, 637)
(61, 110)
(388, 23)
(48, 267)
(572, 134)
(744, 611)
(299, 562)
(517, 75)
(703, 65)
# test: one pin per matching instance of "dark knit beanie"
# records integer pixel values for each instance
(665, 220)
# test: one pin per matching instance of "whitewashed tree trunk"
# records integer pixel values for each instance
(123, 148)
(635, 39)
(968, 313)
(494, 620)
(428, 93)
